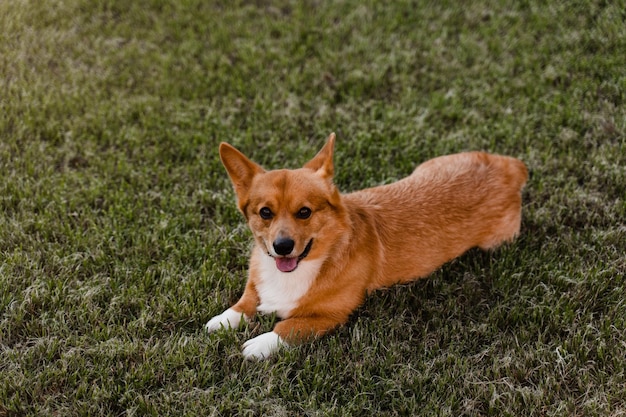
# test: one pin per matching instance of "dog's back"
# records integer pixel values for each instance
(445, 207)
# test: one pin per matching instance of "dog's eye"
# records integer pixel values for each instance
(304, 213)
(265, 213)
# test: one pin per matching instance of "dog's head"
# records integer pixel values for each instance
(293, 214)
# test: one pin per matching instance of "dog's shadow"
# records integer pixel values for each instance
(462, 291)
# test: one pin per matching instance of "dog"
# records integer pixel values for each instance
(317, 253)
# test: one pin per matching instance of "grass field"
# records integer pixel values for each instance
(119, 235)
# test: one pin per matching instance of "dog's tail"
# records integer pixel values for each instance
(519, 172)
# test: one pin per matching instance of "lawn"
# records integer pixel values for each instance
(120, 238)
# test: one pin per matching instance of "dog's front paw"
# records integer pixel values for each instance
(261, 347)
(229, 319)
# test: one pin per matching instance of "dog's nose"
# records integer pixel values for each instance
(283, 246)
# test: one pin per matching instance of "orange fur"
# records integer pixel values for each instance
(372, 238)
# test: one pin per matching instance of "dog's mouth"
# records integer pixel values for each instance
(285, 264)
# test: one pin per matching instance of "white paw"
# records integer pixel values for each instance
(229, 319)
(261, 347)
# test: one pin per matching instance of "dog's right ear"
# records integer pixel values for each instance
(240, 169)
(322, 163)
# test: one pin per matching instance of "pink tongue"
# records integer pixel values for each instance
(286, 264)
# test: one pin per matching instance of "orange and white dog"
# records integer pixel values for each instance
(317, 252)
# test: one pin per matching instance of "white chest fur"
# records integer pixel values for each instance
(280, 291)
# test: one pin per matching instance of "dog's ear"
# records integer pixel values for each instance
(322, 163)
(240, 169)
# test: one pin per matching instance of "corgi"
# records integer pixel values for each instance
(317, 253)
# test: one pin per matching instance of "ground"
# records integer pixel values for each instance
(120, 238)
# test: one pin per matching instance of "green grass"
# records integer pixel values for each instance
(119, 236)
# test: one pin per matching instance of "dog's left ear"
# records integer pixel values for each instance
(322, 163)
(241, 171)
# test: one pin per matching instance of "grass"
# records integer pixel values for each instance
(119, 236)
